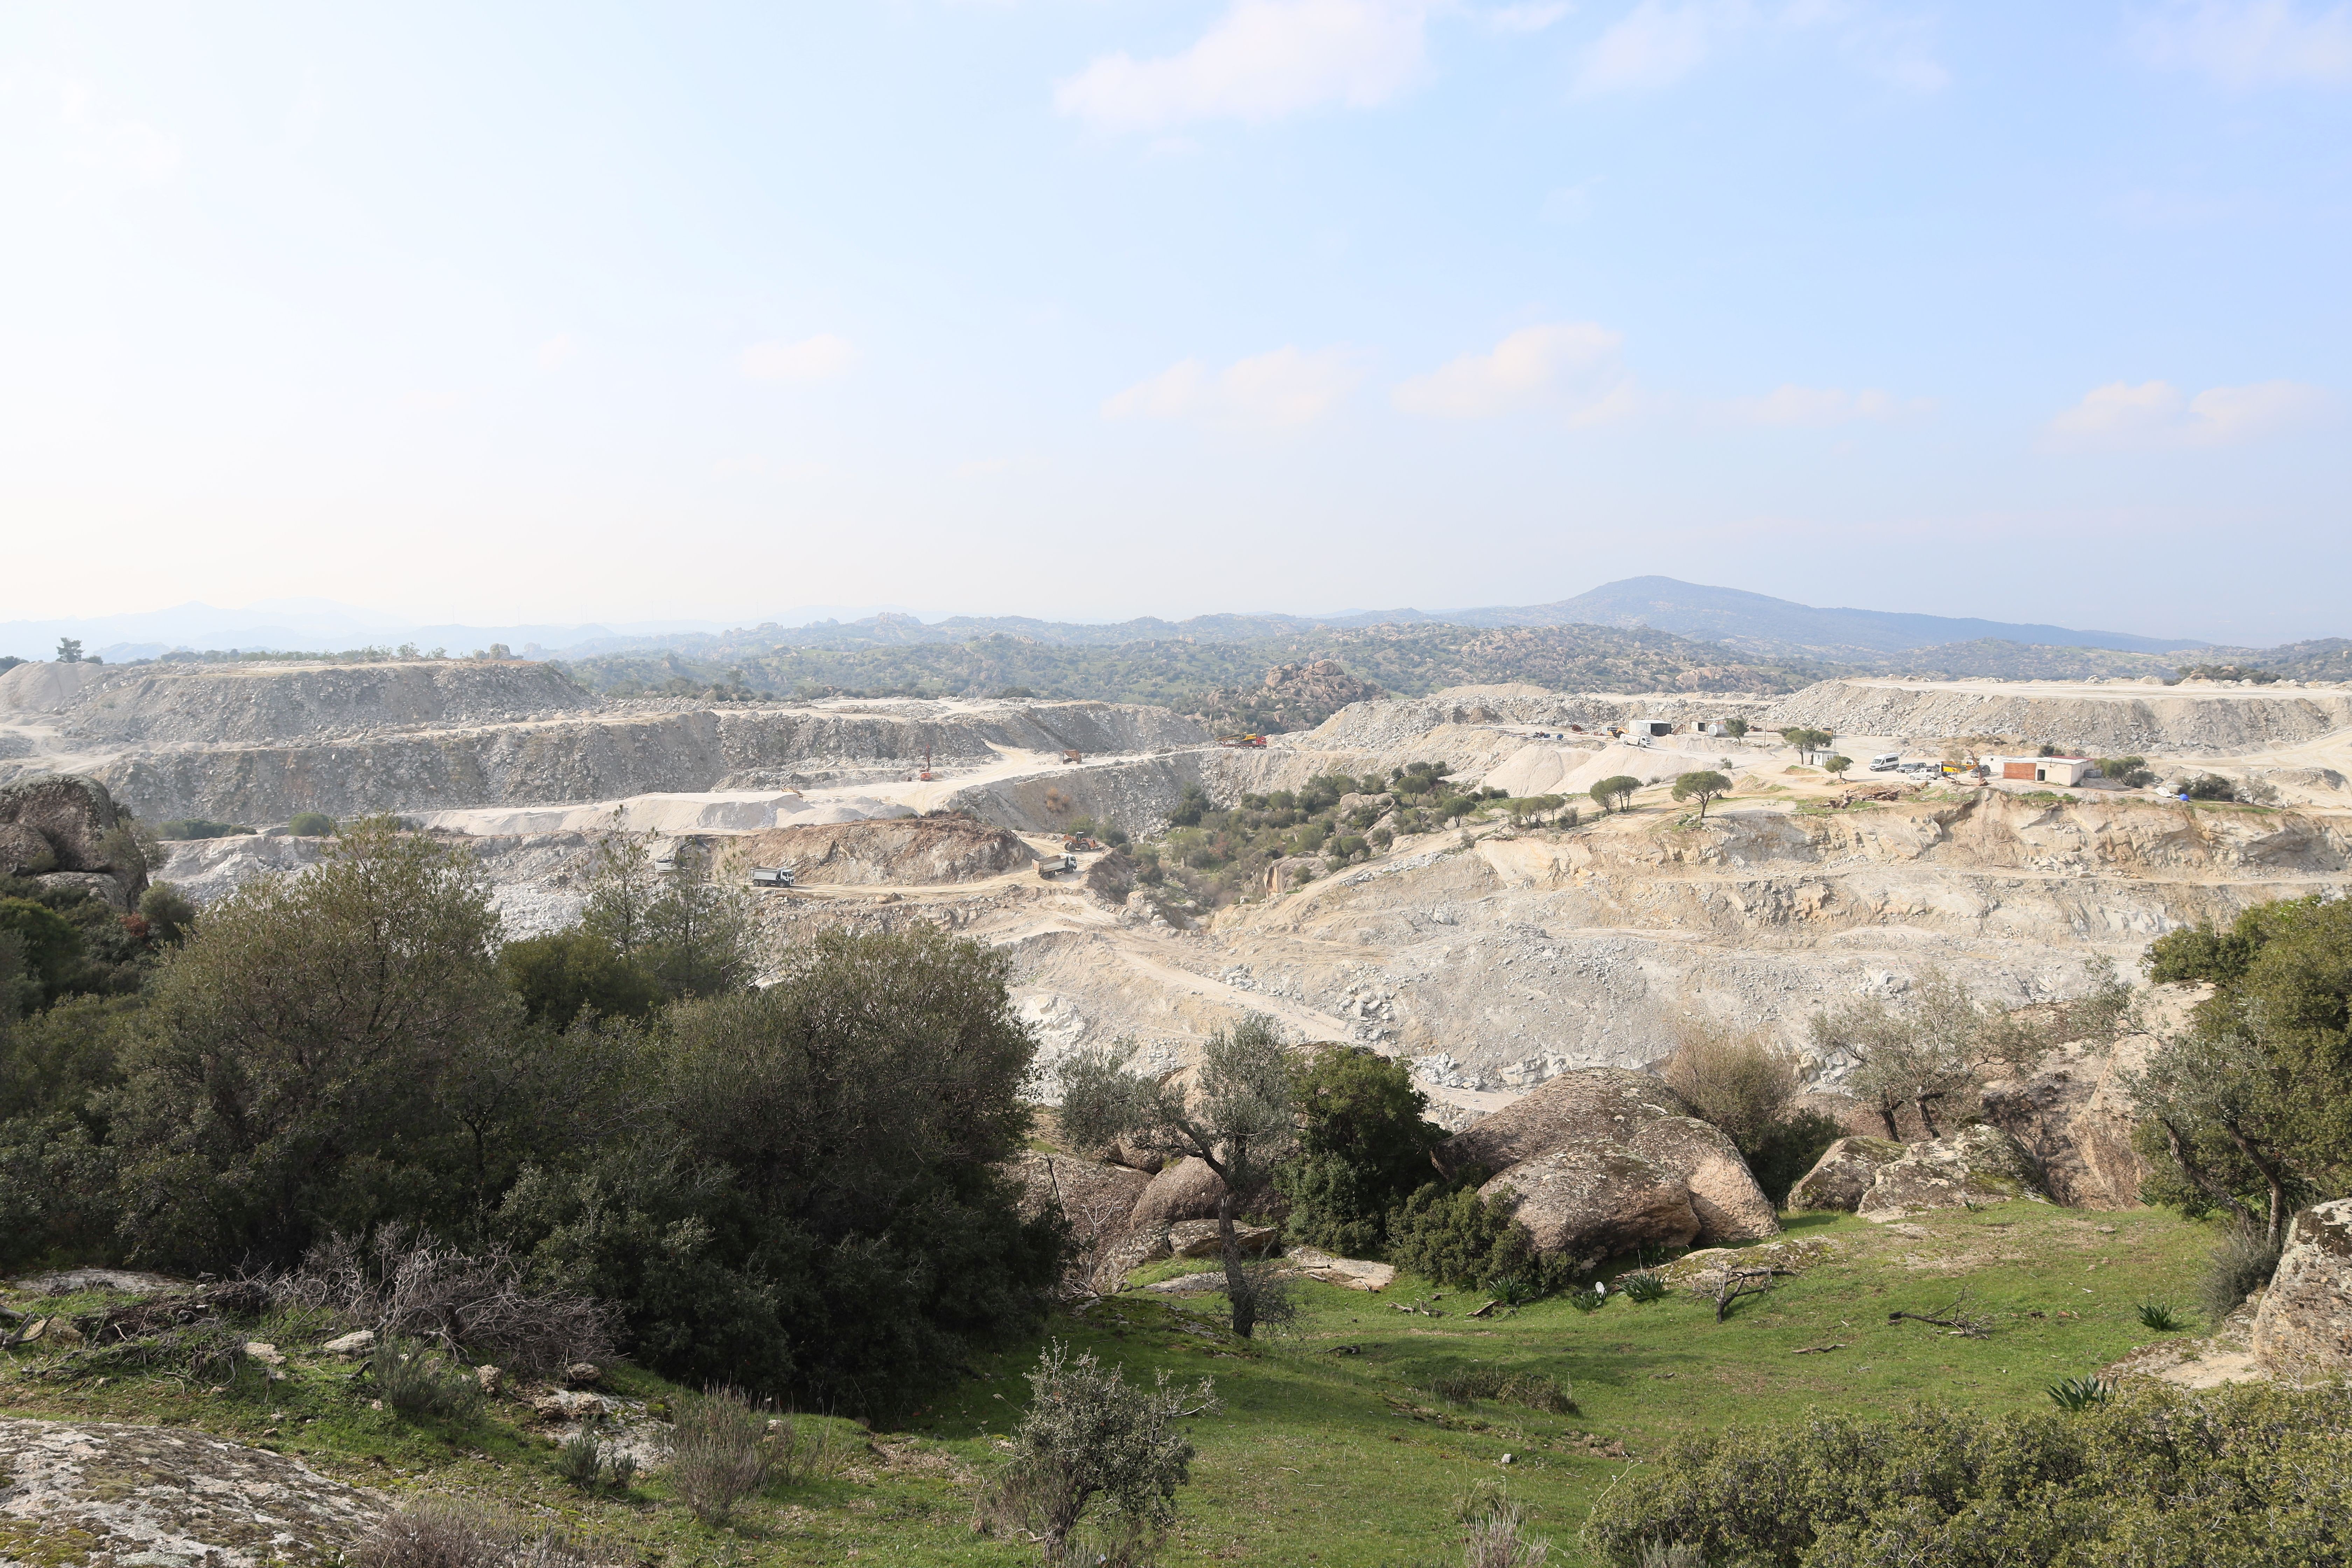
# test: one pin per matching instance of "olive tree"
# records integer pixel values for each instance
(1615, 791)
(1702, 786)
(1090, 1438)
(1240, 1120)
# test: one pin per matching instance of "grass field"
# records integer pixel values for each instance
(1329, 1448)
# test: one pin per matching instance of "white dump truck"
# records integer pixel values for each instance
(771, 876)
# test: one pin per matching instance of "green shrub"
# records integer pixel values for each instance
(168, 912)
(413, 1380)
(312, 824)
(1363, 1147)
(1790, 1148)
(186, 827)
(1449, 1234)
(1535, 1390)
(2159, 1316)
(719, 1454)
(2247, 1475)
(2241, 1265)
(559, 974)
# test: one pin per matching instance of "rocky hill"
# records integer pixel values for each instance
(214, 704)
(2092, 718)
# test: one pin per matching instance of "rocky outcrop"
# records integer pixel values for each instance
(90, 1492)
(1097, 1199)
(1185, 1190)
(1610, 1104)
(1589, 1199)
(1730, 1206)
(263, 702)
(2101, 720)
(71, 822)
(2304, 1329)
(1603, 1136)
(907, 849)
(1975, 1165)
(38, 688)
(1841, 1178)
(2074, 1113)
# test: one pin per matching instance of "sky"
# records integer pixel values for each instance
(1089, 309)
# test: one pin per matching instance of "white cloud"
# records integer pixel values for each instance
(1656, 45)
(1660, 42)
(1281, 389)
(1823, 405)
(2249, 43)
(819, 358)
(1525, 19)
(1570, 362)
(558, 351)
(2157, 414)
(127, 147)
(1262, 61)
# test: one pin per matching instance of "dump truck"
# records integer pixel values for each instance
(1053, 863)
(771, 876)
(1072, 757)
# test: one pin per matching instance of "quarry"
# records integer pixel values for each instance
(1493, 956)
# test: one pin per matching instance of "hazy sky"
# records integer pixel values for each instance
(1092, 308)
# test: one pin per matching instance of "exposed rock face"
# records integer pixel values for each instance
(72, 817)
(262, 702)
(92, 1491)
(1185, 1190)
(1591, 1198)
(1201, 1238)
(1843, 1175)
(24, 852)
(911, 849)
(38, 688)
(1609, 1104)
(1730, 1206)
(1097, 1199)
(2304, 1328)
(1975, 1165)
(1604, 1136)
(2076, 1114)
(2105, 720)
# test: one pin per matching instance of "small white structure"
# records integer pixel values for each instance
(2044, 770)
(1651, 727)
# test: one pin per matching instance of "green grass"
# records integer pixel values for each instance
(1329, 1448)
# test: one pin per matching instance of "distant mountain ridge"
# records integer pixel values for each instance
(1757, 622)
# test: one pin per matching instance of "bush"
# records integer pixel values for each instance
(2159, 1316)
(167, 911)
(2241, 1265)
(312, 824)
(191, 827)
(1735, 1081)
(1446, 1232)
(412, 1286)
(439, 1533)
(1791, 1147)
(1536, 1390)
(559, 974)
(2081, 1393)
(411, 1380)
(721, 1453)
(1363, 1147)
(2241, 1476)
(1086, 1439)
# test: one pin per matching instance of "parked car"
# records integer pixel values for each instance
(1886, 762)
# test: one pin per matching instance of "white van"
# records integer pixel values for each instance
(1885, 762)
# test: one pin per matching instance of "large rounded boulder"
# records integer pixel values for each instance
(1606, 1103)
(1974, 1165)
(1589, 1199)
(1841, 1178)
(1730, 1206)
(76, 822)
(2303, 1330)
